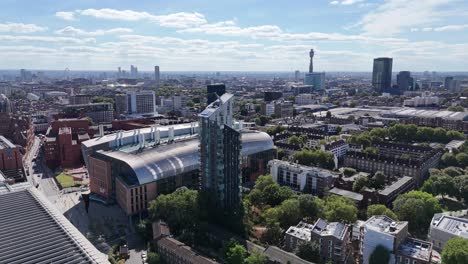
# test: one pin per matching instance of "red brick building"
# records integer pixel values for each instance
(62, 146)
(10, 156)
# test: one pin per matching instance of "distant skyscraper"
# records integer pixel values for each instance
(220, 153)
(448, 81)
(213, 91)
(5, 105)
(119, 72)
(382, 74)
(311, 65)
(404, 81)
(133, 71)
(316, 79)
(297, 75)
(156, 75)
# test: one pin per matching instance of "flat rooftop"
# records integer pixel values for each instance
(351, 195)
(396, 185)
(385, 224)
(416, 249)
(451, 224)
(325, 228)
(301, 231)
(5, 143)
(33, 231)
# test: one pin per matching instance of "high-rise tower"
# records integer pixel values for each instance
(382, 74)
(220, 147)
(311, 65)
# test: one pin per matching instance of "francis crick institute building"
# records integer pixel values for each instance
(134, 167)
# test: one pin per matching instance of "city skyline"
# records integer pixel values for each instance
(235, 35)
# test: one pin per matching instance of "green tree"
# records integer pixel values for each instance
(310, 206)
(455, 135)
(295, 140)
(153, 258)
(309, 251)
(462, 159)
(273, 234)
(236, 254)
(348, 172)
(452, 171)
(340, 209)
(371, 150)
(440, 185)
(461, 183)
(448, 159)
(457, 108)
(256, 258)
(380, 209)
(455, 251)
(418, 208)
(381, 255)
(318, 158)
(289, 213)
(179, 209)
(360, 182)
(378, 181)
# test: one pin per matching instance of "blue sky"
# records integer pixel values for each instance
(238, 35)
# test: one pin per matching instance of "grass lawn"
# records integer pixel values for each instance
(65, 180)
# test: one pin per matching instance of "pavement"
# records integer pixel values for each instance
(103, 225)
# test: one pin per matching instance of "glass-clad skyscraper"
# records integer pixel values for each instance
(382, 74)
(220, 146)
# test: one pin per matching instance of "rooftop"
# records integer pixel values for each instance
(33, 231)
(351, 195)
(451, 224)
(5, 143)
(162, 161)
(324, 228)
(385, 224)
(396, 185)
(323, 173)
(301, 231)
(416, 249)
(214, 106)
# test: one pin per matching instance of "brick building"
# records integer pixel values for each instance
(62, 143)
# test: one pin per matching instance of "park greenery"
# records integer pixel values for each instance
(417, 208)
(277, 208)
(316, 157)
(455, 251)
(451, 181)
(380, 209)
(456, 108)
(405, 133)
(377, 181)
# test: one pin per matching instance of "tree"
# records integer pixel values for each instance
(295, 140)
(340, 209)
(452, 171)
(328, 115)
(380, 209)
(360, 182)
(457, 108)
(462, 159)
(348, 172)
(461, 183)
(289, 213)
(179, 209)
(318, 158)
(236, 254)
(256, 258)
(378, 181)
(455, 251)
(418, 208)
(309, 251)
(273, 234)
(440, 185)
(153, 258)
(310, 206)
(455, 135)
(371, 150)
(448, 159)
(381, 255)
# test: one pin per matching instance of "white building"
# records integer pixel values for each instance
(444, 227)
(422, 101)
(270, 108)
(143, 102)
(301, 178)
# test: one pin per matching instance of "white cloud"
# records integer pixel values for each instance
(69, 30)
(442, 28)
(20, 28)
(346, 2)
(176, 20)
(66, 15)
(45, 39)
(395, 16)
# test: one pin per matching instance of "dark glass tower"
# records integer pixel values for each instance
(382, 74)
(404, 81)
(220, 146)
(215, 90)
